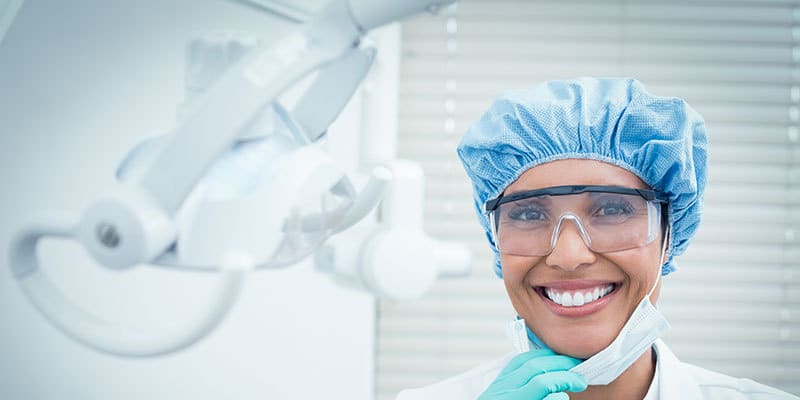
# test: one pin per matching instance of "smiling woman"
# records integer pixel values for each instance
(555, 289)
(587, 189)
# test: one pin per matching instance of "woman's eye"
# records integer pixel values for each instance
(526, 214)
(614, 210)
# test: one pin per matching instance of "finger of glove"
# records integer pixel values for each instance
(522, 358)
(534, 367)
(554, 382)
(557, 396)
(541, 365)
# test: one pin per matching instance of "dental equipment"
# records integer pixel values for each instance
(169, 208)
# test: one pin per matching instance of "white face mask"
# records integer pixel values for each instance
(642, 329)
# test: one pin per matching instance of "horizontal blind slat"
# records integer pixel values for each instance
(470, 30)
(572, 65)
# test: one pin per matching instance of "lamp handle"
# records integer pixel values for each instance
(93, 331)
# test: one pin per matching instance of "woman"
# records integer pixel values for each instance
(587, 190)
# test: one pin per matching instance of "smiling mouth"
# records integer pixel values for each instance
(579, 297)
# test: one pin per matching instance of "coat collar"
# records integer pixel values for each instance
(674, 380)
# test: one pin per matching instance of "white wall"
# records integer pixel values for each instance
(80, 83)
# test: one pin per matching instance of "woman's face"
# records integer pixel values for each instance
(579, 331)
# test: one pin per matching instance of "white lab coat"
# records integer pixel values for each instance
(676, 381)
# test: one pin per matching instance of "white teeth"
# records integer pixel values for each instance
(578, 298)
(566, 299)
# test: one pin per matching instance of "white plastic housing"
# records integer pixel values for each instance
(399, 264)
(97, 333)
(254, 224)
(370, 14)
(394, 258)
(125, 228)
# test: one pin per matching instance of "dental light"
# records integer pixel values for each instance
(183, 201)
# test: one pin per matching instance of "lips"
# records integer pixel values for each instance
(577, 297)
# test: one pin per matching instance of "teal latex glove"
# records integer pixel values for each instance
(535, 375)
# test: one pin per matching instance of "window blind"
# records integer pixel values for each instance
(734, 303)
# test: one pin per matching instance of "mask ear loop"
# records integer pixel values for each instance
(660, 261)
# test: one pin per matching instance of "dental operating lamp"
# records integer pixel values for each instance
(242, 183)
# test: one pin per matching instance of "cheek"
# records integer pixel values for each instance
(516, 271)
(641, 267)
(516, 268)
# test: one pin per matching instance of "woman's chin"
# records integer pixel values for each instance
(579, 347)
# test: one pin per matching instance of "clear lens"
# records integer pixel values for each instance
(311, 222)
(607, 222)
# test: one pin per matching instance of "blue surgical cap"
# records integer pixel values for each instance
(662, 140)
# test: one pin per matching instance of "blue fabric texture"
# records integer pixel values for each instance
(662, 140)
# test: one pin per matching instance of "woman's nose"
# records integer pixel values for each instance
(570, 250)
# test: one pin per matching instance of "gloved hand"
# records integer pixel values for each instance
(535, 375)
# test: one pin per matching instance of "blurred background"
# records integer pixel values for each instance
(83, 81)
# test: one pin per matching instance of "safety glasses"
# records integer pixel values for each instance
(608, 218)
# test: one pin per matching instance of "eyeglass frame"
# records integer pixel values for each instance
(648, 195)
